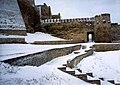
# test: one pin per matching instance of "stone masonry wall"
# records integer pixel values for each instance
(99, 26)
(40, 58)
(13, 32)
(115, 31)
(57, 42)
(70, 30)
(12, 40)
(106, 47)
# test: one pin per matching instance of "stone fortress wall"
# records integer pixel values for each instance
(100, 26)
(40, 18)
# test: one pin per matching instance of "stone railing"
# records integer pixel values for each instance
(46, 21)
(40, 58)
(72, 63)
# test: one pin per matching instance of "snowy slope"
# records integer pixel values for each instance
(29, 75)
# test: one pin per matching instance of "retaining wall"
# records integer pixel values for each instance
(40, 58)
(58, 42)
(12, 40)
(13, 32)
(106, 47)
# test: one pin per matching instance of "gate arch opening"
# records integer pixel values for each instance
(90, 36)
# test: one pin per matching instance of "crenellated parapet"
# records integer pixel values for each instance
(46, 21)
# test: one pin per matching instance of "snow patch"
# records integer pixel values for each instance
(39, 36)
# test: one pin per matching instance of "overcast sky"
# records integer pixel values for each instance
(84, 8)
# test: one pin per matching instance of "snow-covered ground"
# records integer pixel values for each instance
(42, 75)
(102, 64)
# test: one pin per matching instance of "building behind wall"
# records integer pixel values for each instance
(45, 12)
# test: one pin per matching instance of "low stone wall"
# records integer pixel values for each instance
(40, 58)
(77, 59)
(12, 40)
(57, 42)
(13, 32)
(106, 47)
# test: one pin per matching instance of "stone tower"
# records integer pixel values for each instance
(102, 28)
(44, 11)
(32, 2)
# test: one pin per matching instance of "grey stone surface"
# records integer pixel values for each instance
(10, 15)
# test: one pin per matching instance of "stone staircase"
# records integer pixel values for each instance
(84, 76)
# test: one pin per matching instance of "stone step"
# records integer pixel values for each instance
(71, 72)
(79, 70)
(65, 65)
(111, 81)
(76, 52)
(82, 76)
(90, 74)
(62, 68)
(101, 79)
(94, 82)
